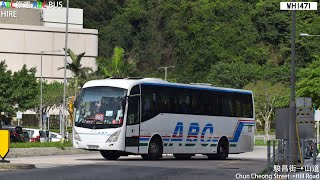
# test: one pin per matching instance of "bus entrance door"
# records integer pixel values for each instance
(133, 124)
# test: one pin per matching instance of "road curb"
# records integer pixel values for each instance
(43, 151)
(13, 166)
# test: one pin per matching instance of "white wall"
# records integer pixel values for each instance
(56, 17)
(22, 44)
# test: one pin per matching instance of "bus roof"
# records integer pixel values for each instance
(127, 83)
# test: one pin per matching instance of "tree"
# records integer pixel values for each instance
(267, 97)
(233, 75)
(76, 67)
(309, 81)
(117, 66)
(18, 91)
(52, 96)
(25, 91)
(6, 91)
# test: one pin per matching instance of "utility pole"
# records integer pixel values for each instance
(41, 94)
(65, 74)
(165, 70)
(292, 116)
(40, 111)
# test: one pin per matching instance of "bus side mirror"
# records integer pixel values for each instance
(123, 101)
(76, 102)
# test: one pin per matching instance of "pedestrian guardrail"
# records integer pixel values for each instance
(278, 157)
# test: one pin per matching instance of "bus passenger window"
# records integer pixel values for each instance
(226, 105)
(133, 110)
(149, 106)
(247, 106)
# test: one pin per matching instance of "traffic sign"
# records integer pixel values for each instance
(317, 115)
(291, 6)
(19, 115)
(4, 144)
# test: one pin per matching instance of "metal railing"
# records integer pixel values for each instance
(277, 154)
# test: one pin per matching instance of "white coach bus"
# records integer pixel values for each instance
(151, 117)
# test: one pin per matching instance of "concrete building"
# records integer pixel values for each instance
(28, 31)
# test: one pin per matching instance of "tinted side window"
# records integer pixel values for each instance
(209, 105)
(226, 104)
(133, 110)
(164, 100)
(135, 90)
(237, 106)
(184, 99)
(149, 103)
(247, 105)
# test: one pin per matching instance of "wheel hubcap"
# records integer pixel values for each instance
(221, 149)
(153, 148)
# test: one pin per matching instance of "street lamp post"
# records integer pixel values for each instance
(40, 112)
(65, 74)
(165, 71)
(292, 109)
(308, 35)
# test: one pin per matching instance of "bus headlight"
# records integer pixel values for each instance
(114, 137)
(76, 136)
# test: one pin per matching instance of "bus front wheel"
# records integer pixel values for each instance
(155, 149)
(110, 155)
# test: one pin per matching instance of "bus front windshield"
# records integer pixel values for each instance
(100, 107)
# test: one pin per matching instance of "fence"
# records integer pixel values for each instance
(278, 156)
(32, 120)
(265, 138)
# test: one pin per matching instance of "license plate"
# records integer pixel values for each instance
(92, 147)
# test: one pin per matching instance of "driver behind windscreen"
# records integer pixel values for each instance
(109, 108)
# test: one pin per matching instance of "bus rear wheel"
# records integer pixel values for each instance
(222, 151)
(110, 155)
(155, 149)
(182, 156)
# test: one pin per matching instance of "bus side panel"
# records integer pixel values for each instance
(192, 134)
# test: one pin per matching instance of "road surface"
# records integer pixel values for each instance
(93, 166)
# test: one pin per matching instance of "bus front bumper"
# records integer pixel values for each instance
(97, 146)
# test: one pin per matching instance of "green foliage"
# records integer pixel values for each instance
(52, 95)
(6, 89)
(260, 142)
(234, 75)
(18, 91)
(75, 66)
(225, 43)
(267, 97)
(38, 144)
(308, 82)
(117, 66)
(24, 89)
(80, 73)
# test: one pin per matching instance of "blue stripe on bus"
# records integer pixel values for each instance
(238, 131)
(192, 87)
(235, 138)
